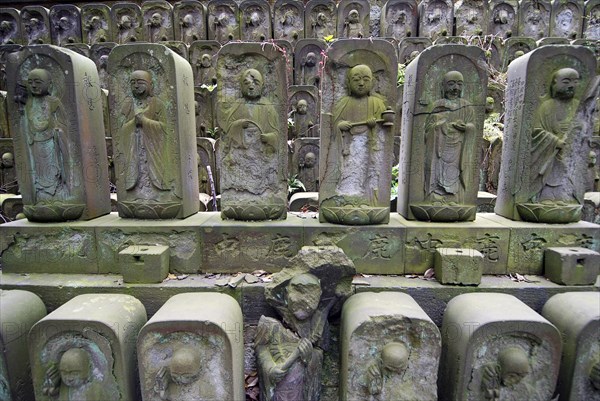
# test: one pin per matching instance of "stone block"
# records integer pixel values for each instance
(198, 335)
(181, 236)
(19, 311)
(233, 246)
(571, 266)
(28, 247)
(577, 316)
(423, 238)
(386, 330)
(495, 344)
(144, 263)
(94, 334)
(529, 240)
(458, 266)
(377, 249)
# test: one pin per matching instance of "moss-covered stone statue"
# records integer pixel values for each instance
(442, 129)
(547, 136)
(154, 141)
(251, 112)
(357, 132)
(58, 130)
(290, 353)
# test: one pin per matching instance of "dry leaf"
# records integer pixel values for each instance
(411, 276)
(429, 273)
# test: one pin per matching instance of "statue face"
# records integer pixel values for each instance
(252, 84)
(360, 80)
(353, 16)
(310, 159)
(8, 159)
(205, 60)
(303, 296)
(38, 82)
(185, 366)
(156, 20)
(394, 357)
(489, 104)
(321, 19)
(74, 367)
(188, 20)
(302, 107)
(125, 22)
(514, 366)
(453, 83)
(565, 83)
(311, 59)
(140, 83)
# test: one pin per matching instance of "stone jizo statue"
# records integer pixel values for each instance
(352, 27)
(449, 132)
(177, 381)
(392, 362)
(507, 378)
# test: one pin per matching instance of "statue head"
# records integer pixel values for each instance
(310, 159)
(514, 365)
(205, 60)
(453, 83)
(95, 22)
(321, 19)
(254, 19)
(252, 84)
(592, 158)
(303, 295)
(75, 367)
(39, 82)
(156, 20)
(5, 26)
(141, 83)
(8, 160)
(359, 80)
(302, 106)
(394, 357)
(353, 16)
(185, 365)
(311, 59)
(489, 104)
(595, 375)
(564, 83)
(64, 23)
(125, 22)
(187, 20)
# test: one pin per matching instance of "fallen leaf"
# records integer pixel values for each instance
(429, 273)
(411, 276)
(182, 277)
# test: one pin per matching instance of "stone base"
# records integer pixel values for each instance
(144, 263)
(571, 266)
(458, 266)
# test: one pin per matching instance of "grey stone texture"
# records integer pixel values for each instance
(144, 263)
(571, 266)
(460, 266)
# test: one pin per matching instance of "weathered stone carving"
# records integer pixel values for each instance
(127, 22)
(96, 23)
(441, 134)
(79, 48)
(353, 19)
(435, 18)
(192, 349)
(5, 50)
(566, 19)
(410, 48)
(65, 24)
(189, 20)
(206, 162)
(223, 21)
(256, 20)
(154, 141)
(320, 19)
(515, 48)
(19, 311)
(84, 349)
(471, 17)
(306, 162)
(10, 27)
(503, 19)
(546, 148)
(305, 110)
(288, 20)
(99, 54)
(205, 112)
(591, 24)
(357, 132)
(307, 59)
(203, 60)
(57, 109)
(399, 19)
(35, 25)
(508, 352)
(534, 18)
(290, 357)
(158, 20)
(251, 113)
(390, 349)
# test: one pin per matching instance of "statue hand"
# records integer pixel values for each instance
(460, 125)
(371, 122)
(276, 374)
(51, 386)
(139, 119)
(344, 126)
(305, 348)
(560, 144)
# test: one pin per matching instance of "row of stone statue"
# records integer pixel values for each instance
(255, 20)
(57, 121)
(491, 347)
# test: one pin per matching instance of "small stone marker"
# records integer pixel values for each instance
(571, 266)
(85, 349)
(193, 349)
(144, 263)
(390, 349)
(458, 266)
(495, 344)
(19, 311)
(577, 316)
